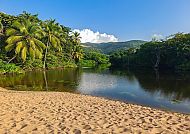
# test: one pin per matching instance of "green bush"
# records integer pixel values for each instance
(70, 65)
(87, 63)
(9, 68)
(33, 64)
(55, 61)
(94, 58)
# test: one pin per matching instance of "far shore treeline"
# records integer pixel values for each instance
(28, 43)
(170, 53)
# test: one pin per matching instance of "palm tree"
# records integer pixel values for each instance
(32, 18)
(24, 40)
(52, 31)
(76, 38)
(77, 52)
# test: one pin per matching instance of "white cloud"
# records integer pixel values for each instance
(157, 37)
(88, 35)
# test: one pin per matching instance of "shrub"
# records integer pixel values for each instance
(33, 64)
(87, 63)
(9, 68)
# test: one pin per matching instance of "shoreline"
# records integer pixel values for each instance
(41, 112)
(116, 100)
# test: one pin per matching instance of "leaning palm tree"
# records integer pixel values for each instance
(52, 31)
(24, 40)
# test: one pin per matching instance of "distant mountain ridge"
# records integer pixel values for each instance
(113, 46)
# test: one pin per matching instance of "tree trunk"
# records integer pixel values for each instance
(45, 80)
(11, 59)
(157, 58)
(45, 56)
(157, 75)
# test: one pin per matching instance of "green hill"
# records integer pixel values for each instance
(113, 46)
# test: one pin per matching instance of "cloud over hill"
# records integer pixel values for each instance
(88, 35)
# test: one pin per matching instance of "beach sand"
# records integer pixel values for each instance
(54, 112)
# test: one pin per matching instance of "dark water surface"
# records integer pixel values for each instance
(164, 90)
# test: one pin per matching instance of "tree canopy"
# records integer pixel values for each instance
(30, 43)
(26, 39)
(172, 53)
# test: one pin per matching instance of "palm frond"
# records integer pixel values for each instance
(23, 54)
(11, 31)
(32, 52)
(54, 42)
(14, 39)
(34, 28)
(19, 46)
(38, 54)
(32, 44)
(9, 47)
(39, 43)
(17, 25)
(39, 48)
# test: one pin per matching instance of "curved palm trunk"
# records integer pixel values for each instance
(45, 56)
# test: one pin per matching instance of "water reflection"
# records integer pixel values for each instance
(51, 80)
(166, 90)
(157, 89)
(94, 82)
(168, 84)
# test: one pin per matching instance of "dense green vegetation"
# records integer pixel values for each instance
(11, 68)
(110, 47)
(29, 43)
(94, 58)
(172, 53)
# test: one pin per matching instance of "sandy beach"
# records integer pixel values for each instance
(54, 112)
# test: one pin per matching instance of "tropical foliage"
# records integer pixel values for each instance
(30, 43)
(77, 52)
(23, 40)
(94, 58)
(11, 68)
(172, 53)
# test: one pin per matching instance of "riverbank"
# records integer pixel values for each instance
(53, 112)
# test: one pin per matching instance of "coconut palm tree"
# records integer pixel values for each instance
(52, 36)
(24, 40)
(76, 38)
(77, 52)
(32, 18)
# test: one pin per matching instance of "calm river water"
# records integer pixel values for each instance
(164, 90)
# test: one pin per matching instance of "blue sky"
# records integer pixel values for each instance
(125, 19)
